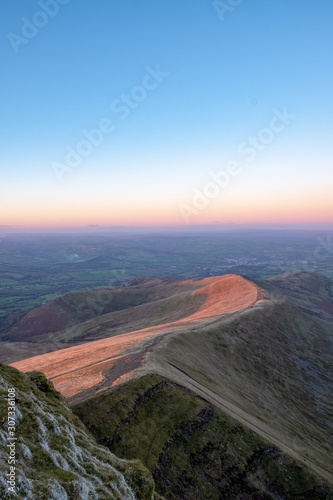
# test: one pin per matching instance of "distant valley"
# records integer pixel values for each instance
(36, 268)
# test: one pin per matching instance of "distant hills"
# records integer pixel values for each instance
(90, 315)
(222, 387)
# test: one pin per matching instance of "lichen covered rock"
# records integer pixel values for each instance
(54, 455)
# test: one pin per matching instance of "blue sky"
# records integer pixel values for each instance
(225, 78)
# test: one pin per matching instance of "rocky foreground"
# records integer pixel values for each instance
(55, 457)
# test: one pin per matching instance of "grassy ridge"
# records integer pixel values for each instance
(268, 366)
(274, 363)
(193, 449)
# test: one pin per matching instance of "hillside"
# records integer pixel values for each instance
(85, 316)
(79, 371)
(256, 354)
(56, 456)
(193, 449)
(312, 293)
(75, 308)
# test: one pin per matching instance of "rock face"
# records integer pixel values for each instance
(55, 456)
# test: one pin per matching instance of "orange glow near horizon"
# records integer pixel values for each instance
(246, 210)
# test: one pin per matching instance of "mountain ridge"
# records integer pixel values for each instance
(266, 363)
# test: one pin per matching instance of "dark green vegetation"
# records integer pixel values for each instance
(35, 268)
(194, 450)
(56, 456)
(274, 365)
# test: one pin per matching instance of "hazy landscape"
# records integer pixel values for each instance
(36, 268)
(207, 357)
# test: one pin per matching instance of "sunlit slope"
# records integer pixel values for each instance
(99, 314)
(95, 365)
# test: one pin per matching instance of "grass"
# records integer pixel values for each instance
(250, 363)
(193, 449)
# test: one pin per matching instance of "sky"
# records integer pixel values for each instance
(169, 112)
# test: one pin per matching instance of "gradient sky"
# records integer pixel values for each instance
(225, 80)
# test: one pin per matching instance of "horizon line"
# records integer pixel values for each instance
(96, 228)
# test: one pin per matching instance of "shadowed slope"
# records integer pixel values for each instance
(311, 292)
(192, 448)
(270, 367)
